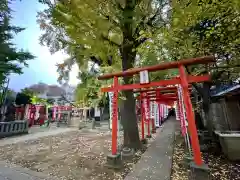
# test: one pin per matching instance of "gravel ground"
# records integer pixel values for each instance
(70, 156)
(220, 167)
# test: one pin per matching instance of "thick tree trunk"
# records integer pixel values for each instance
(128, 54)
(206, 106)
(129, 122)
(129, 119)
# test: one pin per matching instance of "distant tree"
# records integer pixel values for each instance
(22, 98)
(28, 91)
(11, 59)
(50, 101)
(37, 100)
(10, 96)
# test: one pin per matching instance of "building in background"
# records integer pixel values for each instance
(69, 92)
(60, 95)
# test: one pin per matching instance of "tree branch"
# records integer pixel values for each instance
(99, 61)
(115, 23)
(139, 27)
(220, 67)
(118, 5)
(110, 41)
(149, 22)
(198, 88)
(140, 41)
(226, 67)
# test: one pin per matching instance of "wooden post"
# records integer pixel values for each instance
(190, 117)
(142, 115)
(148, 115)
(114, 117)
(181, 111)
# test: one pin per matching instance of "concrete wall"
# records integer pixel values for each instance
(233, 114)
(217, 115)
(225, 115)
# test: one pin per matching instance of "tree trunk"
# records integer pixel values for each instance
(206, 106)
(128, 55)
(129, 119)
(129, 122)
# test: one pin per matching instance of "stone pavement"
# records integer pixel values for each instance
(31, 136)
(156, 162)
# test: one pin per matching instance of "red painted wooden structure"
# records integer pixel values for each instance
(148, 95)
(165, 95)
(184, 80)
(20, 112)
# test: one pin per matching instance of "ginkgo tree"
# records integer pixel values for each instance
(99, 30)
(200, 28)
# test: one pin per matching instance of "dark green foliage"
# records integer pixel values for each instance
(12, 60)
(23, 98)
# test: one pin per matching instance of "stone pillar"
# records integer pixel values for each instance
(199, 172)
(114, 161)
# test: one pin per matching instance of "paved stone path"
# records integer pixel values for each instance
(156, 162)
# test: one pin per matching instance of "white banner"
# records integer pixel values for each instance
(177, 111)
(157, 120)
(110, 94)
(152, 109)
(182, 104)
(166, 111)
(162, 111)
(146, 110)
(97, 112)
(144, 77)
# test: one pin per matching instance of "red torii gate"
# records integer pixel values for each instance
(153, 95)
(164, 95)
(184, 80)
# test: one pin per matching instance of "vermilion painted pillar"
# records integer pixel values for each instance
(142, 115)
(159, 108)
(181, 111)
(114, 117)
(190, 117)
(159, 112)
(148, 115)
(153, 125)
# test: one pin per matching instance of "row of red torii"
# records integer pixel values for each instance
(177, 91)
(37, 114)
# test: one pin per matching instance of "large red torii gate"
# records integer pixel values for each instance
(184, 80)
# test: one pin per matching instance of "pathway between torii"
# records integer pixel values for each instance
(156, 162)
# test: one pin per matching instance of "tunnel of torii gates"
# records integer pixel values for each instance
(163, 95)
(183, 80)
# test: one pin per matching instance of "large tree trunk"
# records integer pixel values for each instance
(129, 119)
(206, 106)
(129, 122)
(128, 54)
